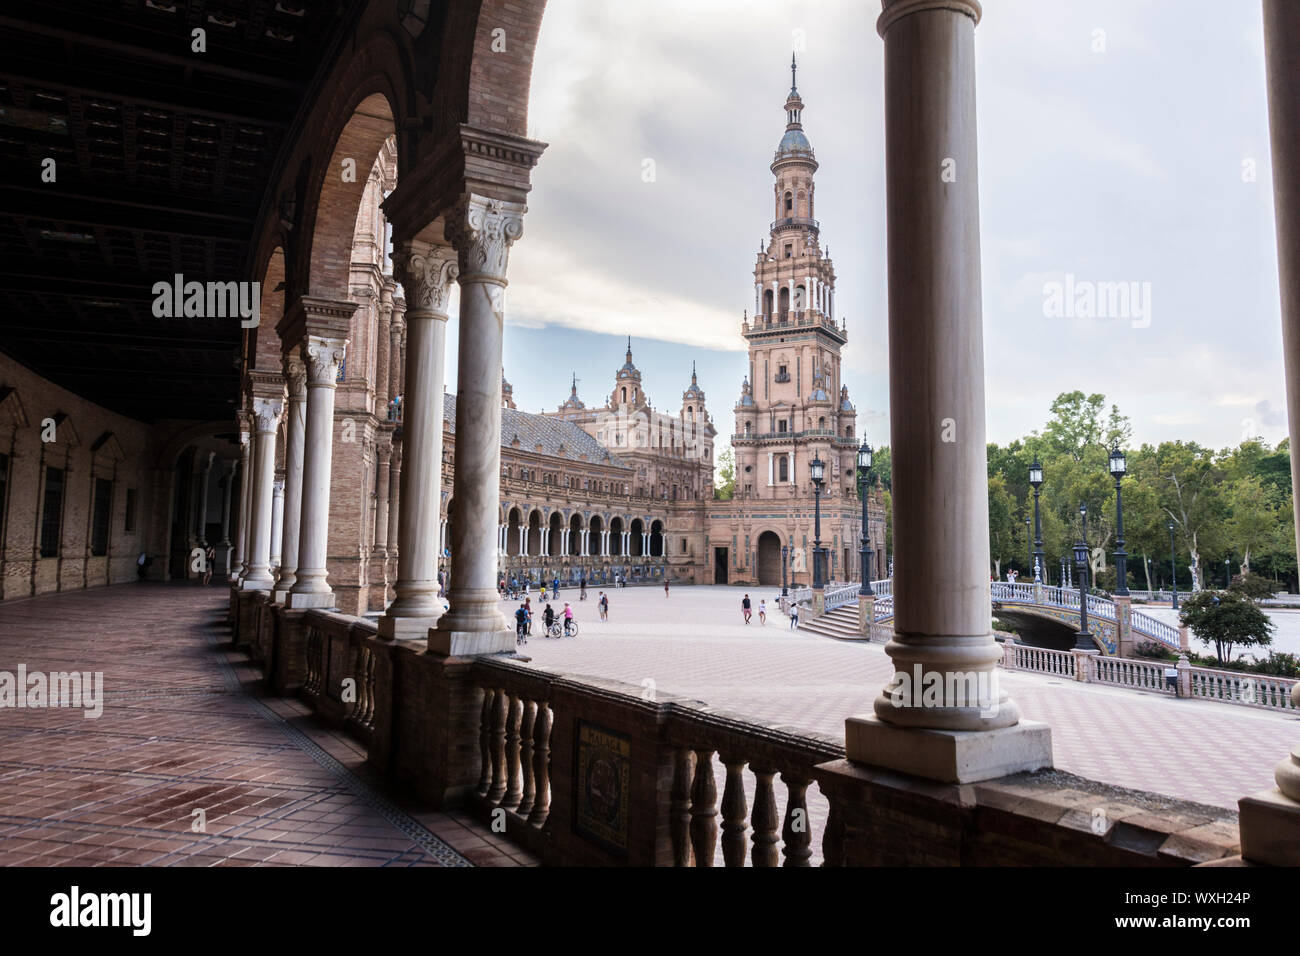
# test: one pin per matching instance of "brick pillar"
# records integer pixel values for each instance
(1124, 643)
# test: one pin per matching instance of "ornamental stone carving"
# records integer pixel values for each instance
(426, 272)
(324, 356)
(482, 231)
(266, 414)
(295, 374)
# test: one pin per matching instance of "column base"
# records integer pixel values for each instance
(450, 643)
(280, 596)
(255, 583)
(1270, 828)
(297, 600)
(949, 756)
(407, 628)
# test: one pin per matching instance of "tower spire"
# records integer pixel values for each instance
(794, 87)
(629, 350)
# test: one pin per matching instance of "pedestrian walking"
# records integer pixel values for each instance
(746, 609)
(794, 616)
(665, 587)
(603, 605)
(209, 559)
(528, 606)
(762, 611)
(568, 618)
(548, 618)
(582, 588)
(555, 588)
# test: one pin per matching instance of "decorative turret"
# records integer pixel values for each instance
(507, 392)
(573, 403)
(627, 384)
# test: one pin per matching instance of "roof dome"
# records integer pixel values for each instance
(794, 142)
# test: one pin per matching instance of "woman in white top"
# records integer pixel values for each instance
(762, 611)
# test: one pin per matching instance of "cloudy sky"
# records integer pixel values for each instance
(1116, 141)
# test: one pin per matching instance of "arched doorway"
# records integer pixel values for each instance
(553, 535)
(769, 558)
(616, 537)
(575, 536)
(657, 539)
(637, 539)
(534, 536)
(512, 533)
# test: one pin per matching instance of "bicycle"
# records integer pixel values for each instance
(557, 629)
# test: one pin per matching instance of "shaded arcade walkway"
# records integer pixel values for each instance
(185, 727)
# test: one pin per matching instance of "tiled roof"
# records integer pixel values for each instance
(533, 430)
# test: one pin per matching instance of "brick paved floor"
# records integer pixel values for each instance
(695, 644)
(184, 727)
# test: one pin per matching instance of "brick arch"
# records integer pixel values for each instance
(478, 85)
(263, 346)
(337, 203)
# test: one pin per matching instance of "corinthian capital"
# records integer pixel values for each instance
(324, 356)
(426, 272)
(295, 376)
(266, 414)
(482, 231)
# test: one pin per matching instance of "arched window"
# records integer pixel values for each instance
(821, 423)
(623, 397)
(789, 204)
(747, 429)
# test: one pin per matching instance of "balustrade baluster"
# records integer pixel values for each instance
(679, 807)
(498, 741)
(541, 765)
(485, 744)
(704, 809)
(514, 788)
(733, 812)
(796, 834)
(526, 757)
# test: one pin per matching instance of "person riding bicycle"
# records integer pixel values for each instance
(548, 618)
(521, 625)
(568, 618)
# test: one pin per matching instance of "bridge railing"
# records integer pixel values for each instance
(1101, 607)
(840, 596)
(1017, 593)
(1148, 626)
(884, 608)
(883, 588)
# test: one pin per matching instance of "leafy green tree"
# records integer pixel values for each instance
(1004, 526)
(882, 466)
(1254, 514)
(1190, 495)
(1226, 619)
(724, 488)
(1251, 586)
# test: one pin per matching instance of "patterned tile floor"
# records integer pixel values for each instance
(185, 727)
(695, 644)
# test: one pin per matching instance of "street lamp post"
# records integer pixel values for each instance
(1061, 583)
(1083, 640)
(1121, 557)
(1036, 482)
(864, 483)
(1227, 572)
(1029, 543)
(1173, 566)
(817, 469)
(785, 557)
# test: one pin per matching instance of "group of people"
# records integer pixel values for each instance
(513, 588)
(747, 610)
(524, 620)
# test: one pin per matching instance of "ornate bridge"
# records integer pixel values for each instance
(1049, 614)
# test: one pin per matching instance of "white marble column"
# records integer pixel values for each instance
(426, 272)
(266, 416)
(482, 231)
(1270, 821)
(277, 522)
(942, 632)
(384, 456)
(205, 478)
(295, 376)
(240, 564)
(322, 357)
